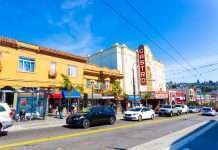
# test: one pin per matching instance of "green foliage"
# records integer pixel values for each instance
(66, 83)
(79, 88)
(116, 88)
(147, 95)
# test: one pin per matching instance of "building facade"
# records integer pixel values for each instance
(26, 66)
(119, 57)
(152, 70)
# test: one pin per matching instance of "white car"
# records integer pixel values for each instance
(208, 111)
(194, 109)
(183, 109)
(139, 114)
(5, 117)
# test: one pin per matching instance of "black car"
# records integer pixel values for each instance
(94, 116)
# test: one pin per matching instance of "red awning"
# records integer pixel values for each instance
(56, 96)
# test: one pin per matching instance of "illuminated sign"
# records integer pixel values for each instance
(142, 68)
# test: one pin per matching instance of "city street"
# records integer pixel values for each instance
(122, 135)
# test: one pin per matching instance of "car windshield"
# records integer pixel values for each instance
(206, 109)
(135, 109)
(166, 106)
(192, 107)
(178, 105)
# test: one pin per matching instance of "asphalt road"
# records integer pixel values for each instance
(121, 136)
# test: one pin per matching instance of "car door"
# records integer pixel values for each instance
(97, 114)
(146, 113)
(3, 113)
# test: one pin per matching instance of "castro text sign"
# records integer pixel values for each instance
(142, 68)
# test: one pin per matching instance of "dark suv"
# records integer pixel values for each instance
(94, 116)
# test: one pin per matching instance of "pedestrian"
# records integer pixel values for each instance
(72, 109)
(60, 111)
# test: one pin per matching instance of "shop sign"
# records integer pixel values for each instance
(142, 68)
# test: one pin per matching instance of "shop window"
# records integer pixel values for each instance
(26, 64)
(72, 71)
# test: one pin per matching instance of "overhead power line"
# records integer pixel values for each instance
(198, 67)
(160, 35)
(141, 31)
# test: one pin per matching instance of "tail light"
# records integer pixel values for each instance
(11, 114)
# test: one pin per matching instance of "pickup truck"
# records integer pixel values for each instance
(168, 110)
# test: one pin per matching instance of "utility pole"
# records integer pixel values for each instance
(133, 80)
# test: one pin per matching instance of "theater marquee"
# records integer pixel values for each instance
(142, 68)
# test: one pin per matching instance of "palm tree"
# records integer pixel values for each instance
(116, 89)
(67, 85)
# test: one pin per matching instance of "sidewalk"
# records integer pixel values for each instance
(39, 124)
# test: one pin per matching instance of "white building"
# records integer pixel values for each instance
(126, 60)
(122, 58)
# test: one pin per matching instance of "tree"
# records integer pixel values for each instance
(147, 96)
(66, 83)
(116, 89)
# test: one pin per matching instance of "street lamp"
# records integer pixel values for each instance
(92, 86)
(133, 81)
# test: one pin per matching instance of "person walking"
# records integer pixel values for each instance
(60, 111)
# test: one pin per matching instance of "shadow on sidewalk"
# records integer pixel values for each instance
(178, 144)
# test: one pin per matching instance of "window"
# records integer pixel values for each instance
(96, 84)
(72, 71)
(2, 109)
(88, 83)
(26, 64)
(107, 84)
(53, 67)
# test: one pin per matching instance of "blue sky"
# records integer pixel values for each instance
(85, 26)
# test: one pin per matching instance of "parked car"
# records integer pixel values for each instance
(168, 110)
(139, 113)
(6, 116)
(94, 116)
(183, 109)
(194, 109)
(208, 111)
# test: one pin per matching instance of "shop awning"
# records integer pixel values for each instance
(132, 98)
(56, 96)
(71, 94)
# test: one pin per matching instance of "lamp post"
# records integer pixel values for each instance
(133, 81)
(92, 84)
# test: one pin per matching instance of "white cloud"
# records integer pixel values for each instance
(79, 40)
(70, 4)
(76, 36)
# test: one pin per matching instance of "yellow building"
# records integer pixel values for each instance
(24, 65)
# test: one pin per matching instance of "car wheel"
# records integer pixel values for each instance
(171, 114)
(1, 129)
(152, 116)
(140, 118)
(86, 124)
(112, 120)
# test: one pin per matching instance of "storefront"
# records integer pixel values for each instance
(71, 99)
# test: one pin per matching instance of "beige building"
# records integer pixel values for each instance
(154, 71)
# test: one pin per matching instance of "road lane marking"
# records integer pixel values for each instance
(89, 132)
